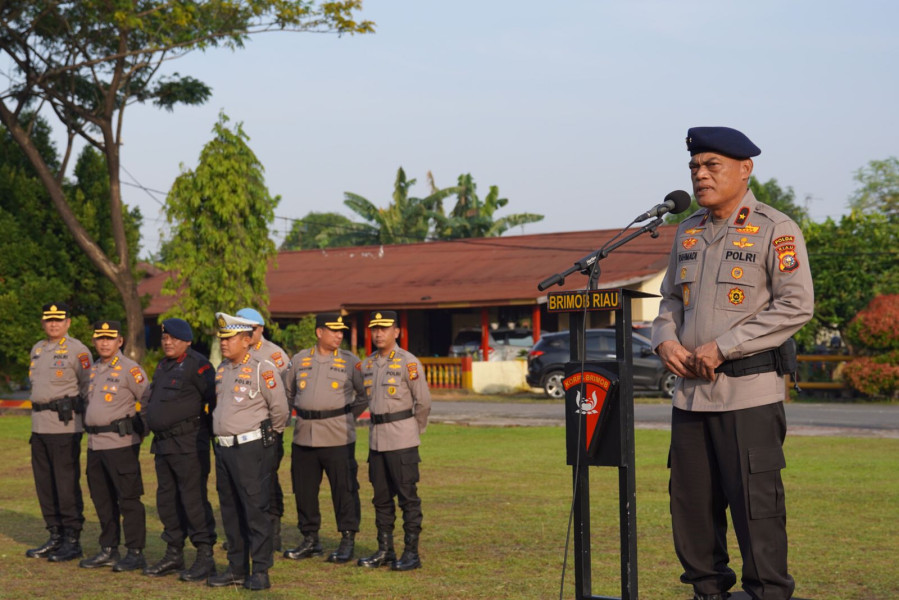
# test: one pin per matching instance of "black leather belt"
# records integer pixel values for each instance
(751, 365)
(179, 428)
(324, 414)
(391, 417)
(54, 405)
(123, 427)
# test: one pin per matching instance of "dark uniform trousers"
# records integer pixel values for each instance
(56, 463)
(276, 501)
(114, 480)
(339, 462)
(242, 475)
(721, 459)
(395, 473)
(182, 500)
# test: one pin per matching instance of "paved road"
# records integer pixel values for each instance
(853, 420)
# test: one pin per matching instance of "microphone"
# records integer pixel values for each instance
(676, 202)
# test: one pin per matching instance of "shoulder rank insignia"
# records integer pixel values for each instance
(742, 216)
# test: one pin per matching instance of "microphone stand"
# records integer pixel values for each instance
(586, 264)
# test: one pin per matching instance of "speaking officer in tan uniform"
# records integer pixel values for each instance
(115, 430)
(400, 402)
(177, 408)
(324, 385)
(59, 374)
(263, 349)
(738, 287)
(250, 408)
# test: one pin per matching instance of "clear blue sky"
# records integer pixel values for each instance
(577, 110)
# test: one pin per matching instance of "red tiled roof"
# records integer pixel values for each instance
(471, 272)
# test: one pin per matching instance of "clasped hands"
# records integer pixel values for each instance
(699, 364)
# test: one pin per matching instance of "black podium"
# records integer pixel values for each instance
(599, 422)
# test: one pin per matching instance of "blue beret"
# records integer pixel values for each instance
(721, 140)
(251, 314)
(178, 328)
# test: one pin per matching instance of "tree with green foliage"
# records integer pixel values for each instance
(85, 62)
(769, 192)
(406, 219)
(852, 261)
(472, 217)
(219, 249)
(37, 261)
(879, 188)
(321, 230)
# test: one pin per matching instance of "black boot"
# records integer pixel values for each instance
(344, 552)
(721, 596)
(227, 578)
(257, 581)
(70, 548)
(134, 560)
(49, 547)
(385, 554)
(203, 567)
(409, 560)
(276, 533)
(310, 546)
(106, 557)
(172, 562)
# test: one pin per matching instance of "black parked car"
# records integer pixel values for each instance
(546, 362)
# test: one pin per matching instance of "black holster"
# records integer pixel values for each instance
(268, 433)
(65, 409)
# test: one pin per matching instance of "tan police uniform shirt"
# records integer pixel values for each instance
(325, 381)
(247, 393)
(115, 389)
(272, 352)
(58, 369)
(395, 383)
(747, 286)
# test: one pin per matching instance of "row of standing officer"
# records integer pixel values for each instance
(178, 405)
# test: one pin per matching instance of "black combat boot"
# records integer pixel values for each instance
(721, 596)
(134, 560)
(203, 567)
(227, 578)
(344, 552)
(409, 560)
(385, 554)
(310, 546)
(106, 557)
(171, 562)
(70, 548)
(257, 581)
(49, 547)
(276, 533)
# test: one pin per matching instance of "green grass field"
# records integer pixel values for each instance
(496, 504)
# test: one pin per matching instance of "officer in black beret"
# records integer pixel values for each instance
(177, 408)
(738, 287)
(60, 375)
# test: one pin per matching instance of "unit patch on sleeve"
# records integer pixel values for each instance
(786, 255)
(413, 371)
(138, 376)
(85, 359)
(269, 377)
